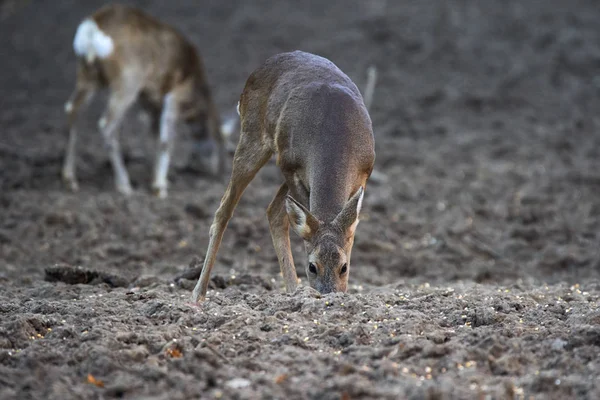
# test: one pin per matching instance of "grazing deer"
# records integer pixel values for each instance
(141, 59)
(303, 108)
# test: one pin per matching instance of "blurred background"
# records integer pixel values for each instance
(485, 118)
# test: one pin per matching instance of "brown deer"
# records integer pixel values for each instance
(303, 108)
(139, 58)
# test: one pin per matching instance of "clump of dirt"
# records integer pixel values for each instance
(74, 275)
(475, 270)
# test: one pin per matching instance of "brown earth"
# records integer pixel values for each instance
(476, 265)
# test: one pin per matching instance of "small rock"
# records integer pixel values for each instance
(558, 344)
(238, 383)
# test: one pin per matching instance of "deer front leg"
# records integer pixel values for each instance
(120, 101)
(249, 158)
(80, 97)
(280, 233)
(166, 141)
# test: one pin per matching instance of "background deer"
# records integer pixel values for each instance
(303, 108)
(139, 58)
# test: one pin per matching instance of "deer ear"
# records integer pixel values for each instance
(347, 219)
(302, 221)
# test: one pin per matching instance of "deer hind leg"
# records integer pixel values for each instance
(166, 141)
(119, 102)
(249, 158)
(279, 225)
(81, 96)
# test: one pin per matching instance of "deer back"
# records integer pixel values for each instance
(313, 116)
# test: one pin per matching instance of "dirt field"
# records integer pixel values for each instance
(476, 269)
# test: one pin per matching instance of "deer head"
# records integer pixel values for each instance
(328, 244)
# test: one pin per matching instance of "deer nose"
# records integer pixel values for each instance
(325, 287)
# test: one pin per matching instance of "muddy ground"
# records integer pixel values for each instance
(476, 265)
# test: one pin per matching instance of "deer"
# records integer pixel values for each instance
(302, 108)
(141, 59)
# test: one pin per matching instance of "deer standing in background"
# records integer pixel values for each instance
(303, 108)
(139, 58)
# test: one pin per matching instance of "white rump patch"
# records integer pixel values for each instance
(90, 42)
(238, 108)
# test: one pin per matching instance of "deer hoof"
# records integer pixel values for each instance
(160, 192)
(125, 190)
(71, 183)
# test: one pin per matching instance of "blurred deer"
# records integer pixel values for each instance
(138, 58)
(305, 110)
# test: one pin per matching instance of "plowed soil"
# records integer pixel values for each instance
(476, 268)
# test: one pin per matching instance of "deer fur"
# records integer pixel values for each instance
(139, 58)
(305, 110)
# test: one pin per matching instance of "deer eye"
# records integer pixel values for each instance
(312, 268)
(344, 269)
